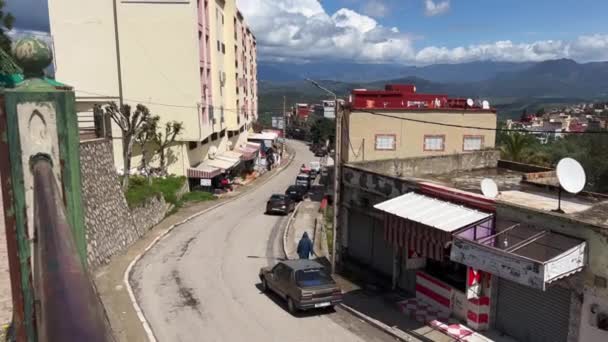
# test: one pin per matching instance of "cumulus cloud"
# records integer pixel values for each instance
(375, 8)
(301, 30)
(432, 8)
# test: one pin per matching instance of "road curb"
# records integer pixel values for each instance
(286, 231)
(379, 325)
(127, 274)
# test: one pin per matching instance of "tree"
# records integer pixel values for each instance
(146, 136)
(517, 147)
(164, 140)
(6, 24)
(131, 125)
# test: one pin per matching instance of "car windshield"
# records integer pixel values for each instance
(302, 177)
(315, 165)
(276, 197)
(313, 277)
(292, 189)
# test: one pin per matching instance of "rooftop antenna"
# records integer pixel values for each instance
(572, 178)
(470, 102)
(489, 188)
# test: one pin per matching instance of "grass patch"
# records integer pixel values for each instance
(140, 190)
(197, 196)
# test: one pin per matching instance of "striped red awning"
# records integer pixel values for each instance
(204, 171)
(250, 151)
(427, 241)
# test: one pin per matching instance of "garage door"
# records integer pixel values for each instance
(360, 237)
(531, 315)
(382, 254)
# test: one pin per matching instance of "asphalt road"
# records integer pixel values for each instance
(201, 282)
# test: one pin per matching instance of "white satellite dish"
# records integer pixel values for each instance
(571, 175)
(572, 178)
(485, 104)
(470, 102)
(489, 188)
(212, 152)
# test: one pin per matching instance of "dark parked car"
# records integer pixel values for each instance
(280, 204)
(304, 284)
(304, 180)
(296, 192)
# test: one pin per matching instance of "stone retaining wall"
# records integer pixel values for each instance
(111, 226)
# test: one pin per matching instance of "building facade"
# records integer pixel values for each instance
(390, 123)
(510, 263)
(175, 57)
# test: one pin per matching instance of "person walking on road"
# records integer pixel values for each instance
(305, 247)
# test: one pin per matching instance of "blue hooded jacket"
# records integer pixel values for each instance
(305, 247)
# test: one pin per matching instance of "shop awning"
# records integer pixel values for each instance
(522, 253)
(426, 225)
(225, 161)
(203, 170)
(250, 151)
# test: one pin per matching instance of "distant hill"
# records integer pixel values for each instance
(358, 72)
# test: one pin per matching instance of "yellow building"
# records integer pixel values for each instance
(175, 57)
(400, 123)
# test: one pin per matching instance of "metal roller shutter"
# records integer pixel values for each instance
(531, 315)
(382, 254)
(360, 237)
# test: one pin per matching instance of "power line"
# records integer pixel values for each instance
(477, 127)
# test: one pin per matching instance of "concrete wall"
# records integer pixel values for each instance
(111, 226)
(410, 135)
(429, 165)
(594, 276)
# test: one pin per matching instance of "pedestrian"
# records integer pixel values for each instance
(305, 247)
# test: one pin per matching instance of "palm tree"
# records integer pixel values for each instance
(516, 147)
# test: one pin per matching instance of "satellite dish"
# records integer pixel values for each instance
(489, 188)
(470, 102)
(571, 175)
(212, 152)
(485, 104)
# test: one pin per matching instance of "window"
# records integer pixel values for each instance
(223, 48)
(219, 47)
(434, 142)
(385, 142)
(472, 143)
(192, 145)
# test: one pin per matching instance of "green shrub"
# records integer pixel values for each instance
(140, 190)
(198, 196)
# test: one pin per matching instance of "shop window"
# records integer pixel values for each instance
(472, 143)
(434, 142)
(385, 142)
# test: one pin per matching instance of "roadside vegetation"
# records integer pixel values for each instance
(142, 189)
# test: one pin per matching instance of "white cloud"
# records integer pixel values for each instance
(375, 8)
(301, 30)
(432, 8)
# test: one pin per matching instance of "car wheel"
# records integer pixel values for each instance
(264, 285)
(291, 307)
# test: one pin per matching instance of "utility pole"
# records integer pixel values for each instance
(284, 124)
(337, 171)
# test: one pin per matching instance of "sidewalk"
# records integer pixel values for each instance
(109, 279)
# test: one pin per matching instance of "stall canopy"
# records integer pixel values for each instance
(250, 151)
(226, 160)
(521, 253)
(203, 170)
(424, 224)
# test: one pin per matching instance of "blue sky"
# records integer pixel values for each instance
(415, 32)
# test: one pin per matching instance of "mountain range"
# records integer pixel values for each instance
(505, 84)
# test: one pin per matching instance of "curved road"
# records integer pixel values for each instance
(200, 283)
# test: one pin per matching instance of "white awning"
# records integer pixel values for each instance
(263, 136)
(226, 160)
(442, 215)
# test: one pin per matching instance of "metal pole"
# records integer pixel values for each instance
(337, 169)
(118, 65)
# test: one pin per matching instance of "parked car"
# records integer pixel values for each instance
(304, 284)
(303, 179)
(315, 168)
(296, 192)
(322, 152)
(279, 203)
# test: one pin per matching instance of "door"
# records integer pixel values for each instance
(532, 315)
(360, 237)
(280, 273)
(382, 252)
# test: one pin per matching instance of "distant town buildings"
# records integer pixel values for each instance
(188, 61)
(385, 124)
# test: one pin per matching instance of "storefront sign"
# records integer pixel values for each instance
(205, 182)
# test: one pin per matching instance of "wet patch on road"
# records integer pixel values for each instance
(184, 248)
(186, 294)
